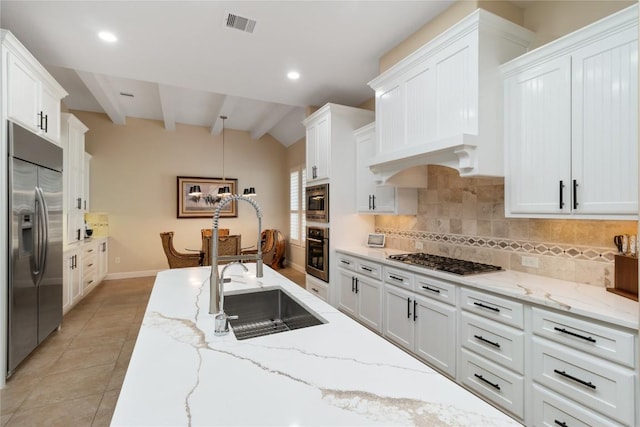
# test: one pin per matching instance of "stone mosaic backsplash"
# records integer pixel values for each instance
(464, 218)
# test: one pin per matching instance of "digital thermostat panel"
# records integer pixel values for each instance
(376, 240)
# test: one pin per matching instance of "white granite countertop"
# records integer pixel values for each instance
(337, 373)
(577, 298)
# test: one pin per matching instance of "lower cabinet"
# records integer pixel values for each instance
(422, 321)
(360, 293)
(583, 372)
(492, 354)
(72, 279)
(85, 266)
(544, 367)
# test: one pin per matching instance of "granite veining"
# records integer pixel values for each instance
(337, 373)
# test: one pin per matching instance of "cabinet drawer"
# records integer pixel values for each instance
(399, 278)
(89, 262)
(550, 409)
(369, 269)
(493, 307)
(593, 382)
(436, 289)
(499, 385)
(603, 341)
(346, 262)
(495, 341)
(318, 290)
(89, 250)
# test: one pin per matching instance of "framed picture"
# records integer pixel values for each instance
(204, 205)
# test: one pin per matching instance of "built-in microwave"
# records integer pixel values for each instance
(317, 203)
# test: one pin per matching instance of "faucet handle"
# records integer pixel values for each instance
(222, 323)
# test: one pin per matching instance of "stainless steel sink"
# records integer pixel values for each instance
(266, 312)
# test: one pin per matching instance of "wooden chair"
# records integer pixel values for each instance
(227, 244)
(179, 259)
(273, 247)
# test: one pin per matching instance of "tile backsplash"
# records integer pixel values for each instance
(464, 218)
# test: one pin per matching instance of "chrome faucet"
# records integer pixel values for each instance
(215, 282)
(221, 319)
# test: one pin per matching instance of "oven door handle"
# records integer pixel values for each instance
(311, 239)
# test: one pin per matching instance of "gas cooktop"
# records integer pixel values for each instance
(441, 263)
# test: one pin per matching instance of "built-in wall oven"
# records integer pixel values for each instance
(318, 252)
(317, 203)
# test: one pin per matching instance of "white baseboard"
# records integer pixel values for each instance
(296, 267)
(131, 274)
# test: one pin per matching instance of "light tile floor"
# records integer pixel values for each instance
(74, 377)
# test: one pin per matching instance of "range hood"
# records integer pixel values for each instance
(442, 104)
(458, 152)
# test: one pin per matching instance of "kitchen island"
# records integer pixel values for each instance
(336, 373)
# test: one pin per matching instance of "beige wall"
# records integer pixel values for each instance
(549, 19)
(133, 179)
(296, 155)
(553, 19)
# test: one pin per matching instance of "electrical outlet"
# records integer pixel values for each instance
(529, 261)
(117, 260)
(419, 246)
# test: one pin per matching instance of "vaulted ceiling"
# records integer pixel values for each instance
(181, 61)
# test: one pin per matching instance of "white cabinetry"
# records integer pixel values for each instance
(360, 291)
(72, 278)
(330, 136)
(571, 124)
(103, 259)
(438, 104)
(492, 354)
(318, 147)
(74, 177)
(422, 321)
(33, 96)
(89, 266)
(578, 364)
(372, 197)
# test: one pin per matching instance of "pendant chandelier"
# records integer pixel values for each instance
(223, 191)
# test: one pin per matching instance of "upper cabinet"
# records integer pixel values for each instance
(571, 124)
(318, 147)
(74, 177)
(330, 127)
(371, 196)
(441, 104)
(33, 96)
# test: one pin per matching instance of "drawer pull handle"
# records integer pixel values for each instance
(427, 288)
(561, 423)
(573, 334)
(366, 269)
(481, 338)
(571, 377)
(353, 284)
(481, 378)
(345, 262)
(408, 308)
(315, 290)
(399, 279)
(415, 310)
(479, 304)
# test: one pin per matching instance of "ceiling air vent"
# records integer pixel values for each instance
(239, 23)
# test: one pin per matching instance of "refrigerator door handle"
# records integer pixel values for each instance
(43, 235)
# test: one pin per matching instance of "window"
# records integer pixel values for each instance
(297, 218)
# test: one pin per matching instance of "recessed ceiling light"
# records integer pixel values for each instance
(107, 36)
(293, 75)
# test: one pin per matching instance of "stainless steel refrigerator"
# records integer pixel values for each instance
(35, 241)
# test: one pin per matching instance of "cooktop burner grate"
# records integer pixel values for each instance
(441, 263)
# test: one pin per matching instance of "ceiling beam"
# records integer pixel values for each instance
(167, 103)
(273, 118)
(103, 92)
(227, 108)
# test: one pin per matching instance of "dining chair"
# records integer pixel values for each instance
(179, 259)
